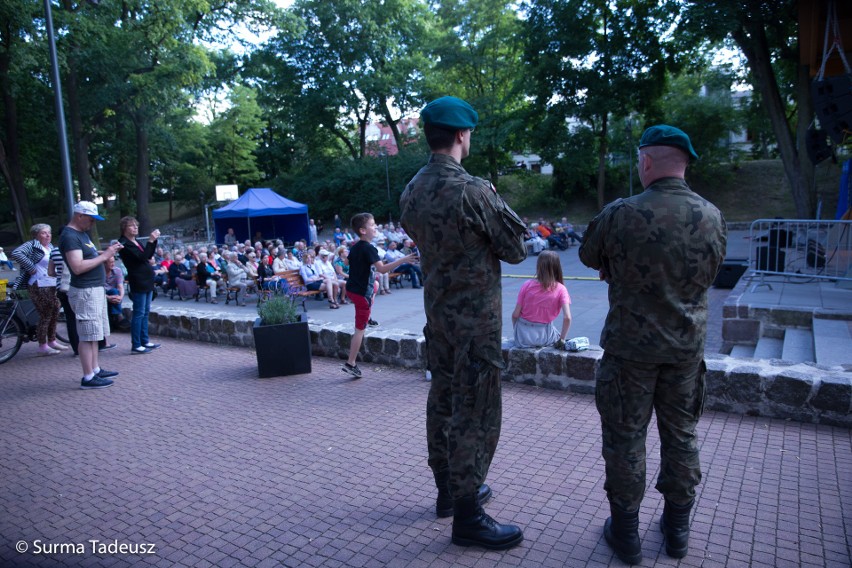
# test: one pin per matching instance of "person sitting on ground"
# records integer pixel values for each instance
(539, 303)
(534, 243)
(208, 276)
(236, 278)
(114, 290)
(412, 270)
(568, 229)
(326, 270)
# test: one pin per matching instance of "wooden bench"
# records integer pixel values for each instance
(296, 288)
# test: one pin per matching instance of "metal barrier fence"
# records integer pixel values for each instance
(800, 248)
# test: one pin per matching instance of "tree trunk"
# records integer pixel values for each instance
(753, 43)
(80, 140)
(393, 125)
(493, 171)
(602, 150)
(143, 179)
(805, 117)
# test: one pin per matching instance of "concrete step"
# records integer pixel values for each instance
(798, 345)
(832, 341)
(769, 348)
(743, 351)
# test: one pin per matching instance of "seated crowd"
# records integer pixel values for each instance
(544, 235)
(249, 268)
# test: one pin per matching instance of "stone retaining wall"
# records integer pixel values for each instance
(802, 392)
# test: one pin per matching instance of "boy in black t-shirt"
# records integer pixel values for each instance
(364, 261)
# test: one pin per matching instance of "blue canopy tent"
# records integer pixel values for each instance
(262, 210)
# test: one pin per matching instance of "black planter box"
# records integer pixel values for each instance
(283, 349)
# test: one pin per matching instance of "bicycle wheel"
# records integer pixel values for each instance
(62, 328)
(11, 338)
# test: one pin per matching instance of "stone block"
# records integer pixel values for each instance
(522, 363)
(374, 344)
(391, 347)
(550, 363)
(741, 330)
(790, 388)
(409, 348)
(833, 394)
(742, 385)
(582, 366)
(325, 338)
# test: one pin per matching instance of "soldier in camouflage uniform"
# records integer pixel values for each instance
(463, 230)
(659, 251)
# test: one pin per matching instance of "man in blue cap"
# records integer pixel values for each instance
(463, 230)
(659, 251)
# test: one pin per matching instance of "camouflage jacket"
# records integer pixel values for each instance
(660, 252)
(463, 230)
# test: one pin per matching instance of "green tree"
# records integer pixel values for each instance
(480, 59)
(597, 59)
(233, 138)
(16, 30)
(354, 59)
(766, 32)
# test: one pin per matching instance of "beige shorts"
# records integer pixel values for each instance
(90, 309)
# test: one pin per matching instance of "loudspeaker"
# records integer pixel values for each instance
(730, 272)
(832, 98)
(771, 259)
(816, 143)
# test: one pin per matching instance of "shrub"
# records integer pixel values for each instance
(278, 310)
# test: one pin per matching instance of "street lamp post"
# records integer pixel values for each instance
(629, 128)
(387, 182)
(60, 112)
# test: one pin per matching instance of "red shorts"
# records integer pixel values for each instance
(362, 309)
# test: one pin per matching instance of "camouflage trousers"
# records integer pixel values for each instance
(625, 394)
(464, 407)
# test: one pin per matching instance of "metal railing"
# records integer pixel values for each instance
(801, 249)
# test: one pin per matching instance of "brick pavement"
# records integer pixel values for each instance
(190, 452)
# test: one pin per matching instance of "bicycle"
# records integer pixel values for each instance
(18, 324)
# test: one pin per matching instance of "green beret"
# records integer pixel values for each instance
(450, 112)
(665, 135)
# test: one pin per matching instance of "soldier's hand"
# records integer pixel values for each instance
(560, 344)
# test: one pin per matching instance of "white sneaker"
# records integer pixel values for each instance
(44, 350)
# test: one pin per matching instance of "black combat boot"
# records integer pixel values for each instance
(675, 526)
(621, 532)
(472, 527)
(444, 502)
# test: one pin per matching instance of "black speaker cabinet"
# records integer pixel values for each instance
(816, 143)
(771, 259)
(730, 272)
(832, 97)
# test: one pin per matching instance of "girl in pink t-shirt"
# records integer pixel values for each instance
(539, 303)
